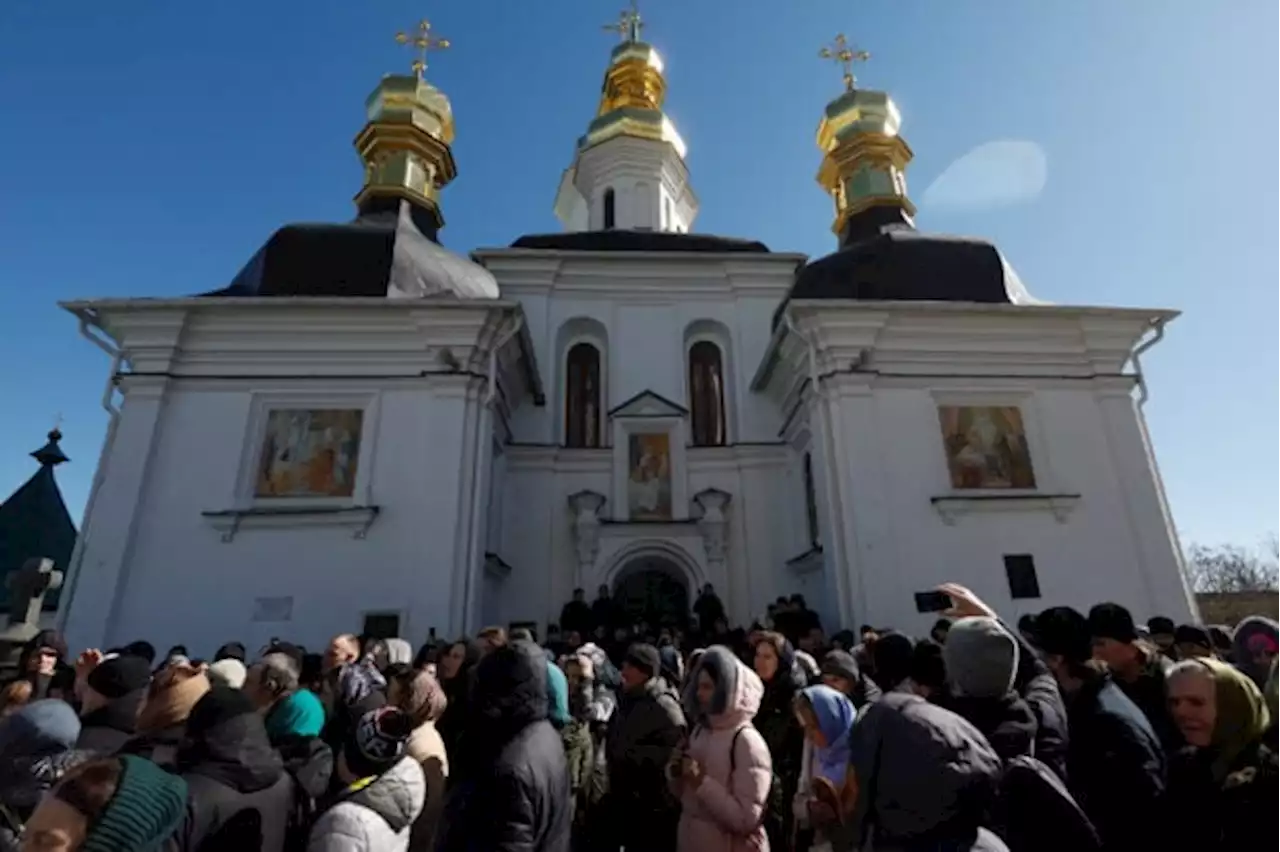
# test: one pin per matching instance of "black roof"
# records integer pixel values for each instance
(385, 244)
(35, 523)
(618, 239)
(904, 264)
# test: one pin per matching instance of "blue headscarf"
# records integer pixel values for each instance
(299, 715)
(835, 715)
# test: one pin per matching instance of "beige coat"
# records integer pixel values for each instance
(426, 747)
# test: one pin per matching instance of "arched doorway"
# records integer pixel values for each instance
(653, 589)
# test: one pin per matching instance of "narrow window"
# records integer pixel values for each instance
(810, 500)
(706, 394)
(608, 209)
(582, 396)
(1020, 568)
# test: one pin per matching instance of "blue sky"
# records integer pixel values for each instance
(150, 147)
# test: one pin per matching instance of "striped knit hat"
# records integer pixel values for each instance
(146, 809)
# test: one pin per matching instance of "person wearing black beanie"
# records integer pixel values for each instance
(230, 768)
(1115, 761)
(892, 654)
(1193, 641)
(114, 691)
(1138, 668)
(1161, 629)
(230, 651)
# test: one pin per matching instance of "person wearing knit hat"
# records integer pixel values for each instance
(112, 696)
(1193, 642)
(121, 804)
(840, 671)
(643, 659)
(1138, 668)
(981, 658)
(383, 792)
(1161, 630)
(227, 671)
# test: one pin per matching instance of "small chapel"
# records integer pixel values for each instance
(365, 431)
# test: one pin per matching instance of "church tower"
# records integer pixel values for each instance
(864, 159)
(629, 170)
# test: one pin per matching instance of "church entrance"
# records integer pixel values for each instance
(654, 590)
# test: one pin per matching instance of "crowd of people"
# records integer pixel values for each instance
(1067, 731)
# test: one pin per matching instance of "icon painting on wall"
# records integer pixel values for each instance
(649, 476)
(986, 447)
(309, 453)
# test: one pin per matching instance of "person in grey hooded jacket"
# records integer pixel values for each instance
(383, 790)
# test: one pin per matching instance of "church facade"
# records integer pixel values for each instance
(366, 431)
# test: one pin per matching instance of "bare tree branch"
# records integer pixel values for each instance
(1229, 568)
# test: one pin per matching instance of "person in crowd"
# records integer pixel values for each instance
(343, 649)
(941, 627)
(724, 775)
(981, 661)
(1115, 763)
(162, 722)
(843, 640)
(228, 672)
(177, 655)
(1191, 641)
(891, 655)
(1271, 694)
(644, 732)
(15, 695)
(575, 616)
(774, 662)
(1223, 642)
(231, 651)
(42, 664)
(119, 804)
(1027, 629)
(111, 689)
(1254, 647)
(419, 695)
(1032, 681)
(557, 686)
(456, 670)
(867, 636)
(382, 789)
(576, 736)
(826, 794)
(1226, 775)
(491, 638)
(1136, 665)
(513, 782)
(240, 795)
(925, 777)
(37, 747)
(353, 689)
(1164, 636)
(708, 608)
(605, 612)
(140, 648)
(928, 673)
(841, 672)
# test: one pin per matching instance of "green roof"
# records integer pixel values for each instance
(35, 523)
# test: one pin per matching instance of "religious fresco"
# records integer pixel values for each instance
(649, 476)
(986, 447)
(309, 453)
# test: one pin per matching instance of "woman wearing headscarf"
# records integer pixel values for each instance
(421, 697)
(1222, 787)
(774, 661)
(724, 775)
(1254, 647)
(42, 664)
(456, 668)
(825, 797)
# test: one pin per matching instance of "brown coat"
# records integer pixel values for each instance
(427, 747)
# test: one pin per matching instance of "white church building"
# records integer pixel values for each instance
(365, 431)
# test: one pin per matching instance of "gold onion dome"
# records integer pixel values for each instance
(405, 143)
(864, 160)
(633, 92)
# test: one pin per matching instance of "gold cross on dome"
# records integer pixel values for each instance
(422, 41)
(840, 52)
(629, 24)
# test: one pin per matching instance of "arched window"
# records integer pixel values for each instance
(706, 394)
(810, 500)
(582, 396)
(608, 209)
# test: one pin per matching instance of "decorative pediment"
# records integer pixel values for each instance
(648, 404)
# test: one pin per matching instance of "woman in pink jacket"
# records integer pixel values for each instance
(723, 775)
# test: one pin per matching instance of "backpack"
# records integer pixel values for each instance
(1034, 811)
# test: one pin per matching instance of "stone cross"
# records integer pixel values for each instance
(27, 588)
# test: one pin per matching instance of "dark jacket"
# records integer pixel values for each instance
(104, 731)
(1115, 764)
(241, 797)
(1238, 813)
(776, 721)
(1007, 723)
(160, 747)
(1037, 686)
(643, 733)
(1147, 691)
(512, 791)
(576, 616)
